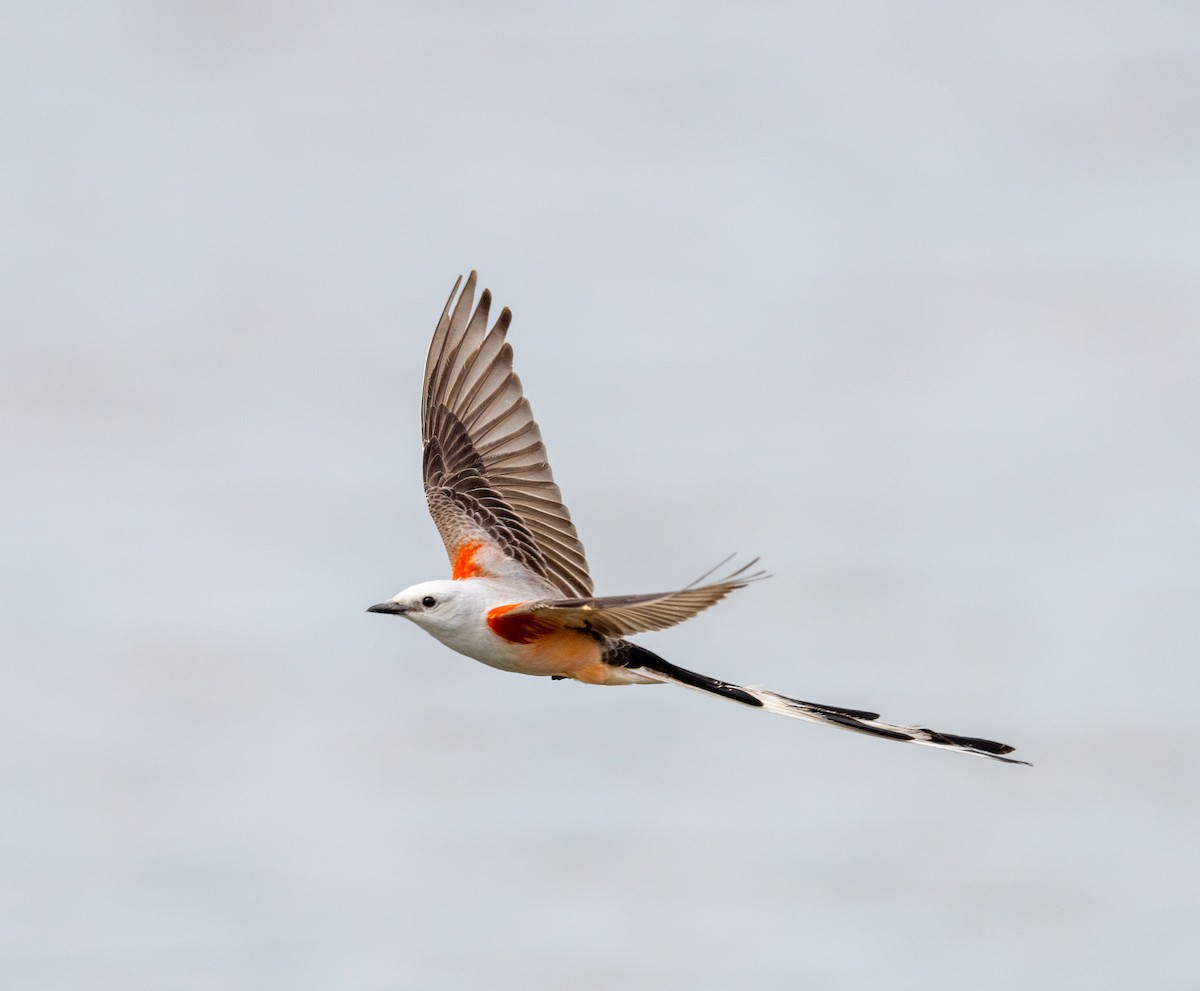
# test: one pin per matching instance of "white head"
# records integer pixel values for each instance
(441, 608)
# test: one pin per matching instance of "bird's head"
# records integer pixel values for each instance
(434, 606)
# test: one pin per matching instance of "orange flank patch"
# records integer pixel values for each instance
(596, 673)
(522, 628)
(548, 648)
(464, 562)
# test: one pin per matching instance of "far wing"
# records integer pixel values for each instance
(487, 478)
(615, 615)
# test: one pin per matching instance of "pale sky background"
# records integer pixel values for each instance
(902, 297)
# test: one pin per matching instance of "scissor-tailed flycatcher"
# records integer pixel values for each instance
(520, 597)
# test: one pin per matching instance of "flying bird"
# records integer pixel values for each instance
(520, 596)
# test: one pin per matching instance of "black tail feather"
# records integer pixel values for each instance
(622, 653)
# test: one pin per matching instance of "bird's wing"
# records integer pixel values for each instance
(614, 615)
(487, 479)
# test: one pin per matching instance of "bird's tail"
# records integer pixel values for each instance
(641, 661)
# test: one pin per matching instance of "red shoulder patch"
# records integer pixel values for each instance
(464, 562)
(522, 628)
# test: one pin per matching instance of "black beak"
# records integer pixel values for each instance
(392, 607)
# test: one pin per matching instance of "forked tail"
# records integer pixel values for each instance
(644, 662)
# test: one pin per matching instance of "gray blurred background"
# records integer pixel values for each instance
(900, 296)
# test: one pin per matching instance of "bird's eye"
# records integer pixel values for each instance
(429, 602)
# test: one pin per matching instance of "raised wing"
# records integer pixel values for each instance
(487, 479)
(614, 615)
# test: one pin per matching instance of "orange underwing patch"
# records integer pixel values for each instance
(522, 628)
(464, 563)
